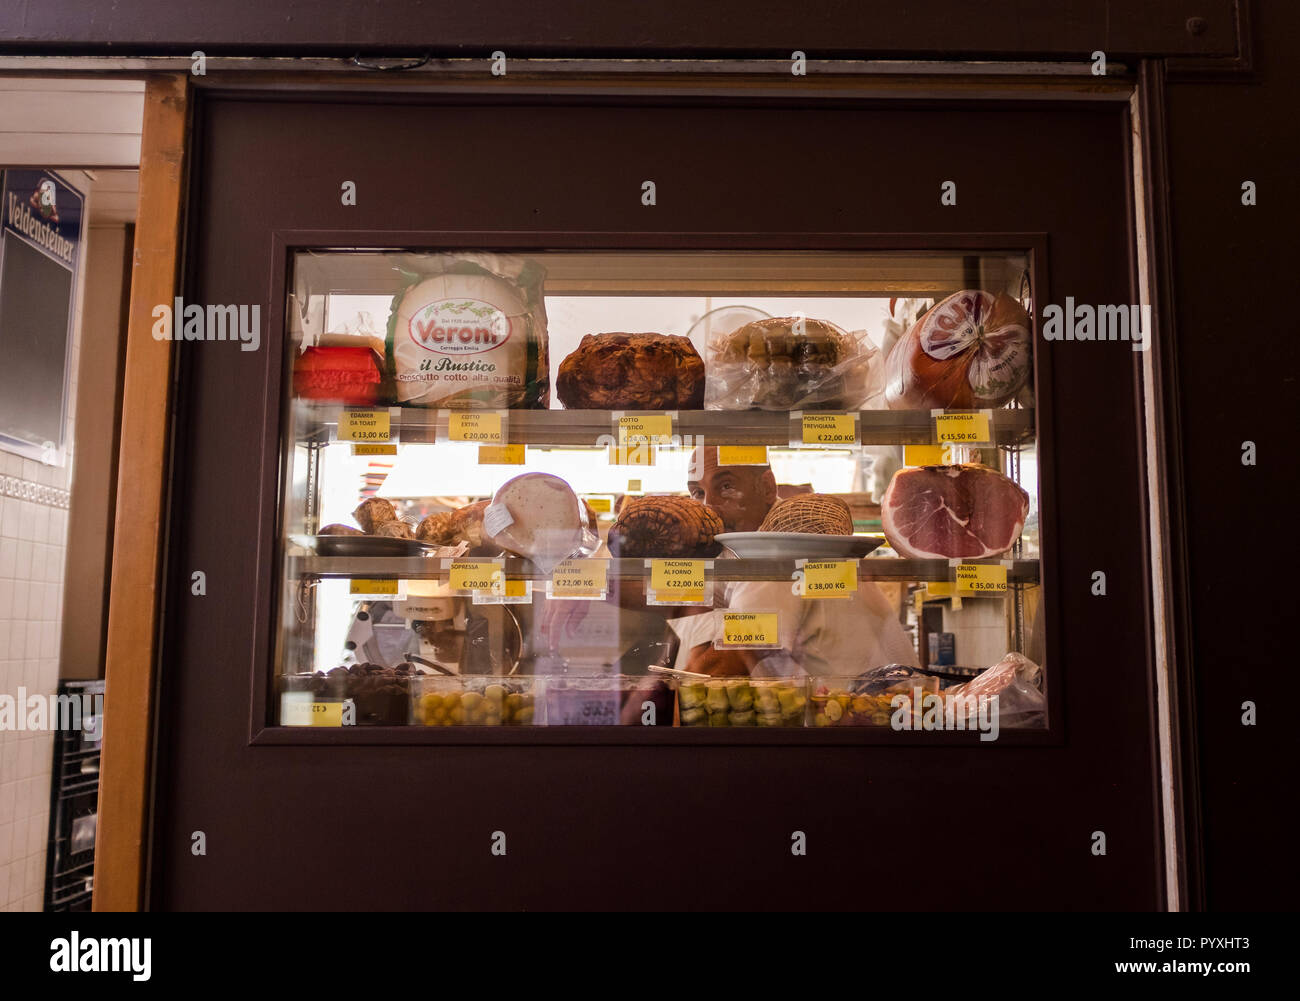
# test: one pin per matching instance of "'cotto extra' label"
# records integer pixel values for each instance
(458, 326)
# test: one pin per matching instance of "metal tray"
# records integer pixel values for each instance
(366, 545)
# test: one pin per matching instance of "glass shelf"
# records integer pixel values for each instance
(318, 422)
(432, 568)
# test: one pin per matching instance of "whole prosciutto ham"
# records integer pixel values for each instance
(952, 512)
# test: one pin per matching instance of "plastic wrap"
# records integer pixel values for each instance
(469, 332)
(1018, 684)
(790, 363)
(539, 516)
(971, 350)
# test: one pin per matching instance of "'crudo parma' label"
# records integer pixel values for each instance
(459, 326)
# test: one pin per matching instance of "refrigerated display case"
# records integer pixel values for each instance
(394, 465)
(417, 659)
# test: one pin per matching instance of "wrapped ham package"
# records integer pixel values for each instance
(470, 332)
(1016, 681)
(971, 350)
(538, 516)
(790, 363)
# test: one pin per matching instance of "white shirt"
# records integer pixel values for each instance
(821, 636)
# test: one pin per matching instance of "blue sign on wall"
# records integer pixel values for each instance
(40, 243)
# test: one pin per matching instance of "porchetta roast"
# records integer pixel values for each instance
(632, 372)
(665, 528)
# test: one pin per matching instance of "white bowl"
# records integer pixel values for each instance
(798, 545)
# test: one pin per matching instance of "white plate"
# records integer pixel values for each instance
(798, 545)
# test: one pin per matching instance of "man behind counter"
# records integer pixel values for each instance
(825, 636)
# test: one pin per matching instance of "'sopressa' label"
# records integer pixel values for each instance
(477, 575)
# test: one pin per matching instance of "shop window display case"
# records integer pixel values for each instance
(625, 651)
(647, 391)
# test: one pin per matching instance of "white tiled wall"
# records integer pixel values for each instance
(33, 538)
(33, 550)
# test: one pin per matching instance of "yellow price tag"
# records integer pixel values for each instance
(742, 455)
(677, 580)
(579, 579)
(374, 449)
(830, 580)
(969, 429)
(501, 455)
(474, 425)
(516, 588)
(981, 578)
(476, 575)
(926, 455)
(634, 486)
(640, 429)
(631, 455)
(829, 429)
(301, 709)
(361, 587)
(601, 505)
(326, 714)
(752, 629)
(364, 425)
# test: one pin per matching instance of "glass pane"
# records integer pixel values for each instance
(725, 489)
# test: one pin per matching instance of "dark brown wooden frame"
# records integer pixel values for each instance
(663, 755)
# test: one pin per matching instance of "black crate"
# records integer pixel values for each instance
(74, 801)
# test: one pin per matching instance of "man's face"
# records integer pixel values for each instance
(742, 495)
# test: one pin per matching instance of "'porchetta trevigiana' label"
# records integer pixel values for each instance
(472, 336)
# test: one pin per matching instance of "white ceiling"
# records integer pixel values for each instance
(93, 125)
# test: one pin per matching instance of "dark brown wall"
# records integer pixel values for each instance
(666, 824)
(822, 28)
(1237, 330)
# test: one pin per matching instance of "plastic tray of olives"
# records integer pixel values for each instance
(474, 700)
